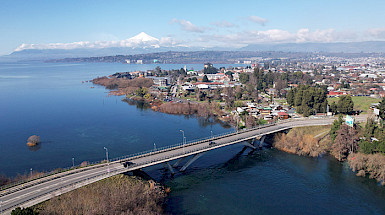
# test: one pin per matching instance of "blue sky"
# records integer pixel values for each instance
(194, 23)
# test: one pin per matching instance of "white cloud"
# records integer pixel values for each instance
(188, 26)
(277, 36)
(258, 20)
(140, 40)
(224, 24)
(376, 33)
(237, 39)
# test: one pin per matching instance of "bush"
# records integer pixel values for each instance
(33, 140)
(372, 165)
(118, 194)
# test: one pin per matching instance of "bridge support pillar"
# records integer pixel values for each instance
(248, 144)
(167, 165)
(194, 158)
(178, 162)
(262, 140)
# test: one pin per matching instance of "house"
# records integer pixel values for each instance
(283, 115)
(160, 81)
(336, 93)
(265, 111)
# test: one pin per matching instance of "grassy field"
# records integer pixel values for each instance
(360, 102)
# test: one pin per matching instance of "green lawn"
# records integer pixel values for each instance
(360, 102)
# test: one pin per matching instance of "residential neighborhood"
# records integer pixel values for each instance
(259, 86)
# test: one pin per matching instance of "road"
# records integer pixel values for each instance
(31, 193)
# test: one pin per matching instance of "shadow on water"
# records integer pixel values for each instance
(141, 105)
(38, 146)
(202, 121)
(35, 147)
(196, 175)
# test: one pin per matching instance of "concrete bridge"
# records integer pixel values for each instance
(39, 190)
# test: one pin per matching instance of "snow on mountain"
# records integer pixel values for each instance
(141, 40)
(143, 37)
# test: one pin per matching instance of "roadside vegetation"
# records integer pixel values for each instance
(118, 194)
(308, 141)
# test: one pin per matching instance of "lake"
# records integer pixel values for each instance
(76, 119)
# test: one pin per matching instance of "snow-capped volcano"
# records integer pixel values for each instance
(142, 40)
(143, 37)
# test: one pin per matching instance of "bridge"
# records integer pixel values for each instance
(36, 191)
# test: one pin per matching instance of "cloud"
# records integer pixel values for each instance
(188, 26)
(376, 33)
(277, 36)
(224, 24)
(258, 20)
(141, 40)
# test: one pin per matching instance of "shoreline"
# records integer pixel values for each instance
(302, 142)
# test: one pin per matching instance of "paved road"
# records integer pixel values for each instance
(25, 196)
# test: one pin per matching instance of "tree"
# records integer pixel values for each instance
(205, 79)
(345, 105)
(209, 69)
(238, 92)
(229, 98)
(158, 69)
(290, 97)
(381, 106)
(345, 142)
(307, 99)
(333, 107)
(229, 74)
(366, 147)
(141, 91)
(335, 127)
(147, 96)
(243, 78)
(370, 127)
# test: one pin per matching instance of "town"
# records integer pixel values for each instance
(261, 89)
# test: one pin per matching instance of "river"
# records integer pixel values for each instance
(76, 119)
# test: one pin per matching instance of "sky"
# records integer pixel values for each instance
(207, 23)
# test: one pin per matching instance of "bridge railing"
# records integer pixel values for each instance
(198, 141)
(189, 143)
(182, 153)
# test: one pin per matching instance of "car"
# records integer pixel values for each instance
(127, 164)
(212, 143)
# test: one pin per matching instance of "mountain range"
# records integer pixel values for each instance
(144, 43)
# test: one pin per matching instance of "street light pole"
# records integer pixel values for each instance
(31, 172)
(212, 134)
(108, 163)
(183, 140)
(106, 154)
(154, 147)
(73, 162)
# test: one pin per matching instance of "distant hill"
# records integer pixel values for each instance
(144, 44)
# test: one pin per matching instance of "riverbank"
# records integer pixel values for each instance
(310, 141)
(120, 194)
(371, 165)
(315, 141)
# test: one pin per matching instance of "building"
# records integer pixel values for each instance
(283, 115)
(160, 81)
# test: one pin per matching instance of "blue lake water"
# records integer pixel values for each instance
(75, 120)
